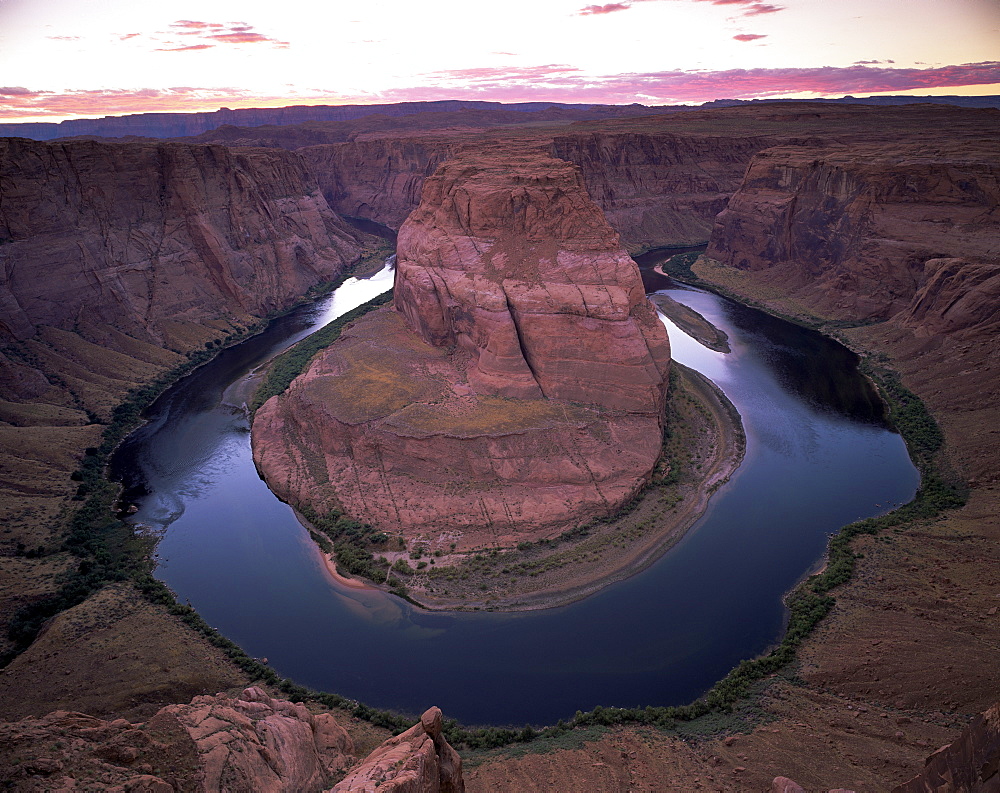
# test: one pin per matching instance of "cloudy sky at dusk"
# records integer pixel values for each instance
(65, 58)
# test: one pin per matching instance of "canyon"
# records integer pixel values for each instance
(878, 225)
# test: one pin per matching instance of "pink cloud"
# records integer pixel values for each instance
(207, 35)
(750, 7)
(18, 91)
(500, 73)
(749, 36)
(185, 49)
(553, 83)
(605, 9)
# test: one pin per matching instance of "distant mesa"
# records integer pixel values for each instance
(516, 387)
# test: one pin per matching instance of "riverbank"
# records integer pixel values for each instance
(706, 445)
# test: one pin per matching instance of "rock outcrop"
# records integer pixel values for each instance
(850, 229)
(419, 760)
(139, 236)
(250, 742)
(518, 387)
(970, 764)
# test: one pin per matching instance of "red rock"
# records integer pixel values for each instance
(971, 764)
(660, 187)
(528, 394)
(136, 236)
(419, 760)
(783, 784)
(850, 229)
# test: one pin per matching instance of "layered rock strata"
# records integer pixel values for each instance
(517, 388)
(377, 179)
(139, 236)
(850, 230)
(657, 188)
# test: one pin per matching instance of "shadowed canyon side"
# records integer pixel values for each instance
(139, 237)
(850, 230)
(116, 262)
(517, 388)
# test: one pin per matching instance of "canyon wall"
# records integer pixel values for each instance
(116, 260)
(517, 388)
(378, 179)
(849, 229)
(659, 188)
(654, 188)
(140, 236)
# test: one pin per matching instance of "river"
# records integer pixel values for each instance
(818, 456)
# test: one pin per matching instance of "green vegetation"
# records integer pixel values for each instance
(351, 542)
(291, 363)
(106, 548)
(679, 266)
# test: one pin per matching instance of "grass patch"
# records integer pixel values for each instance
(291, 363)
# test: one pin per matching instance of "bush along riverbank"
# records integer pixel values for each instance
(104, 548)
(291, 363)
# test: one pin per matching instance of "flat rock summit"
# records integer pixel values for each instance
(516, 386)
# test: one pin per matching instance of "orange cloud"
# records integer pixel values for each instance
(749, 36)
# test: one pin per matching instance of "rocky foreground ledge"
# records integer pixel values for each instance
(249, 742)
(516, 389)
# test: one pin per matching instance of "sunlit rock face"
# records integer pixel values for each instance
(516, 389)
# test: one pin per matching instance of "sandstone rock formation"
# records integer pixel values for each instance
(246, 743)
(419, 760)
(850, 229)
(970, 764)
(658, 187)
(140, 236)
(518, 388)
(376, 179)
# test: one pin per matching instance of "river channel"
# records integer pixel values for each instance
(819, 455)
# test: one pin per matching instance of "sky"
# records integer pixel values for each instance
(63, 59)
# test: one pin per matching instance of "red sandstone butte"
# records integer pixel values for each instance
(517, 388)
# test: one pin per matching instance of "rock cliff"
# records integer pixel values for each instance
(419, 760)
(376, 179)
(658, 188)
(248, 742)
(850, 230)
(517, 388)
(141, 235)
(970, 764)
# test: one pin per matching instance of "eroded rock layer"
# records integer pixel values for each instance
(138, 236)
(850, 229)
(517, 388)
